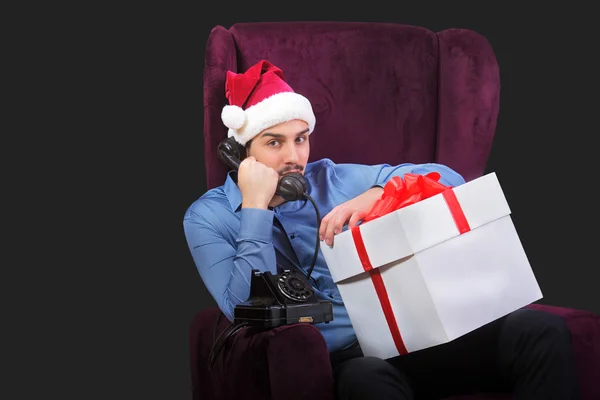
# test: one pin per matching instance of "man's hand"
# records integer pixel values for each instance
(350, 212)
(257, 182)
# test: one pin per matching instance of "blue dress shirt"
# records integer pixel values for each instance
(227, 241)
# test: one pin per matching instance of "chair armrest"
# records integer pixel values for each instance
(287, 362)
(299, 365)
(585, 335)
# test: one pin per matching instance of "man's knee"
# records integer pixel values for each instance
(537, 331)
(537, 323)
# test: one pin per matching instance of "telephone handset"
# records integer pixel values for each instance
(291, 186)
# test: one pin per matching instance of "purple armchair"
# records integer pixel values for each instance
(381, 93)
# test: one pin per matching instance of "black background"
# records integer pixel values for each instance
(114, 97)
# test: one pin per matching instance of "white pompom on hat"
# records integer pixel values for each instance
(260, 98)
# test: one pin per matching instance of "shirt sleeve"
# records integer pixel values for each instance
(224, 268)
(356, 178)
(448, 176)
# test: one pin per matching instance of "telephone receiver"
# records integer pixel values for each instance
(291, 186)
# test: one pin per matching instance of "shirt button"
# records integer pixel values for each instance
(292, 236)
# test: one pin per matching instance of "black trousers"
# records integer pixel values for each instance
(527, 353)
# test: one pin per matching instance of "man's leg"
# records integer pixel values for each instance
(536, 355)
(366, 378)
(527, 352)
(466, 365)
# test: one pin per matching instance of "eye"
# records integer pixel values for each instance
(300, 139)
(273, 143)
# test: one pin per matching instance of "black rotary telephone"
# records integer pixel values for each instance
(275, 299)
(291, 186)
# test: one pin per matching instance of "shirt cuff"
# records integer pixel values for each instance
(256, 224)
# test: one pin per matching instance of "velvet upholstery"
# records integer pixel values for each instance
(382, 93)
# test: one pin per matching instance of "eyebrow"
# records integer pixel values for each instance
(280, 135)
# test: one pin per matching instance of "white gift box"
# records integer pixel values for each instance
(424, 277)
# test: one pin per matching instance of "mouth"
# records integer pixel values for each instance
(292, 171)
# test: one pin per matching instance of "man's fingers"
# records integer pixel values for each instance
(328, 236)
(335, 220)
(325, 222)
(355, 218)
(335, 225)
(323, 227)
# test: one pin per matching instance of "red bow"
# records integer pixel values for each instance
(398, 193)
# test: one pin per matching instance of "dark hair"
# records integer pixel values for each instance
(247, 146)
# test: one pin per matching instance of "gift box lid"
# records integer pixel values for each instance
(414, 228)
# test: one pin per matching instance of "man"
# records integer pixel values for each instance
(243, 225)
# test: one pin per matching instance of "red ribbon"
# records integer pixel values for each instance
(399, 193)
(380, 289)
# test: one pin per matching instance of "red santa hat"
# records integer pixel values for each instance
(260, 98)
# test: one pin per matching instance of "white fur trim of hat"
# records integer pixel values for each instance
(281, 107)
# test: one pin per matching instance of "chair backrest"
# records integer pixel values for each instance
(381, 92)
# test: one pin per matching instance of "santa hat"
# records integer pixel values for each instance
(260, 98)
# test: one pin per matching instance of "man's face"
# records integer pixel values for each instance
(283, 147)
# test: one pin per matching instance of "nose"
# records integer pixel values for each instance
(290, 154)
